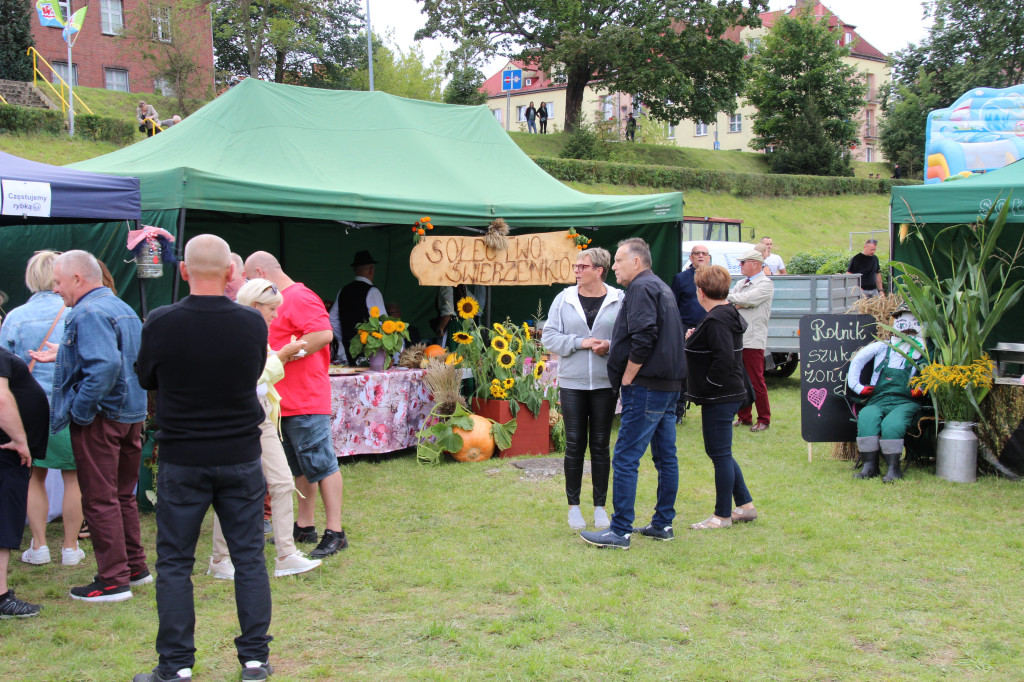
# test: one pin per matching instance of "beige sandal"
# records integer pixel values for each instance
(712, 523)
(741, 515)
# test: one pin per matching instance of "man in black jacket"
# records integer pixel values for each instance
(203, 356)
(645, 364)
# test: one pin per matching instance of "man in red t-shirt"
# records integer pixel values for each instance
(306, 404)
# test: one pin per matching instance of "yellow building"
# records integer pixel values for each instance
(730, 130)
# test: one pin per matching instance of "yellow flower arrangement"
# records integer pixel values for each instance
(953, 386)
(378, 334)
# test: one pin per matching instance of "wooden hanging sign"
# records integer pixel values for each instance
(530, 259)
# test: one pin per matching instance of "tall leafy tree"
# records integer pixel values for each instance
(464, 87)
(804, 92)
(15, 39)
(403, 73)
(301, 41)
(670, 53)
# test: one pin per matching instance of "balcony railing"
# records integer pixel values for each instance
(870, 131)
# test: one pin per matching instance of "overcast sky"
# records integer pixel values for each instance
(889, 25)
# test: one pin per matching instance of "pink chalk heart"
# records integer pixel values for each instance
(816, 396)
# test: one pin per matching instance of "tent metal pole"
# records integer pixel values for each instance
(176, 286)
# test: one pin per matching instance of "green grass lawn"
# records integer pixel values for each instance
(470, 572)
(53, 149)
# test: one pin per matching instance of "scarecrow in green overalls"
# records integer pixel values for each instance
(884, 420)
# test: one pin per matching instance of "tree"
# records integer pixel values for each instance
(298, 41)
(464, 88)
(164, 37)
(804, 94)
(903, 125)
(671, 54)
(15, 39)
(405, 74)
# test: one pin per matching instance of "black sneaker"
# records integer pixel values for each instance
(183, 674)
(143, 577)
(606, 538)
(331, 543)
(12, 607)
(652, 531)
(307, 534)
(254, 670)
(100, 591)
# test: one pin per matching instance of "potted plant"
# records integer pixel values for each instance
(450, 427)
(959, 305)
(378, 339)
(507, 366)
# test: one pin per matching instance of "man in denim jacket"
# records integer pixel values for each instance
(95, 390)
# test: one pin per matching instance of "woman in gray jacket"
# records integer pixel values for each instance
(578, 329)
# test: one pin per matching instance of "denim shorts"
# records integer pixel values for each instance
(308, 447)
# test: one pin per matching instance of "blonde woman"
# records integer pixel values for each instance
(263, 295)
(41, 319)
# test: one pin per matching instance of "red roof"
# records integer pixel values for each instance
(858, 46)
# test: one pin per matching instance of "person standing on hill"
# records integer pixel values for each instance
(531, 118)
(867, 266)
(542, 116)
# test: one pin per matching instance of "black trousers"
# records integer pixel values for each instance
(184, 494)
(588, 415)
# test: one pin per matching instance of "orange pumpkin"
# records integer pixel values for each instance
(478, 444)
(434, 350)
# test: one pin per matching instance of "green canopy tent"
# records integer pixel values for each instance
(933, 207)
(315, 175)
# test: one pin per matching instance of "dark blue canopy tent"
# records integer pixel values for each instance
(90, 211)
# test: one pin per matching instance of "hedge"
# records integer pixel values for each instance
(737, 184)
(15, 119)
(103, 128)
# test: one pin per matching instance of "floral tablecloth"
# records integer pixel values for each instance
(377, 412)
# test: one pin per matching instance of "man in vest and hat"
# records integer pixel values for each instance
(353, 303)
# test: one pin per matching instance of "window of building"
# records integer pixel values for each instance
(65, 11)
(162, 24)
(529, 81)
(735, 123)
(521, 113)
(869, 154)
(608, 107)
(111, 17)
(115, 79)
(847, 38)
(61, 69)
(700, 129)
(550, 107)
(671, 132)
(497, 114)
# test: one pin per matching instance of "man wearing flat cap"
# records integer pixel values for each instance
(752, 296)
(353, 303)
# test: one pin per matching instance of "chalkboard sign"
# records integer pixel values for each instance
(827, 342)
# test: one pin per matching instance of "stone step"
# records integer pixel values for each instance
(25, 94)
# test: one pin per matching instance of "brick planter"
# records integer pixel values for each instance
(533, 434)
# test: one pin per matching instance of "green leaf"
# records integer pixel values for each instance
(503, 433)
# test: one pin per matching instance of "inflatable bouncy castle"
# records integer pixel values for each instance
(981, 131)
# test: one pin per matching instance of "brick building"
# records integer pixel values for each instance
(103, 60)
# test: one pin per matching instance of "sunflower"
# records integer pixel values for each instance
(506, 359)
(400, 326)
(377, 335)
(519, 346)
(538, 369)
(500, 328)
(495, 382)
(526, 330)
(363, 336)
(389, 327)
(453, 359)
(499, 344)
(509, 383)
(374, 312)
(498, 392)
(468, 307)
(463, 338)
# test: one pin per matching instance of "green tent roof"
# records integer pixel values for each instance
(367, 157)
(960, 201)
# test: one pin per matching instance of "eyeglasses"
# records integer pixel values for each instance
(580, 267)
(700, 253)
(272, 287)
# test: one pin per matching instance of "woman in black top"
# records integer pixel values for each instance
(714, 357)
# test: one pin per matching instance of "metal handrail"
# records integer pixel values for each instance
(2, 99)
(155, 122)
(36, 74)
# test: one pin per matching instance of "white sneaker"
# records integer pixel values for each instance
(601, 518)
(72, 557)
(36, 556)
(294, 563)
(223, 570)
(576, 521)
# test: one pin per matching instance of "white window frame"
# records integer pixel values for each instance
(847, 37)
(65, 10)
(550, 106)
(162, 24)
(498, 115)
(670, 133)
(111, 17)
(608, 107)
(869, 154)
(700, 129)
(61, 68)
(521, 113)
(108, 72)
(735, 123)
(528, 81)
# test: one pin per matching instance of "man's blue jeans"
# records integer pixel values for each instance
(648, 418)
(531, 126)
(184, 494)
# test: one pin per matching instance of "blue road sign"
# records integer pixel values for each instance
(511, 80)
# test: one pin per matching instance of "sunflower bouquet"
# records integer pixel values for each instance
(957, 389)
(379, 333)
(505, 359)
